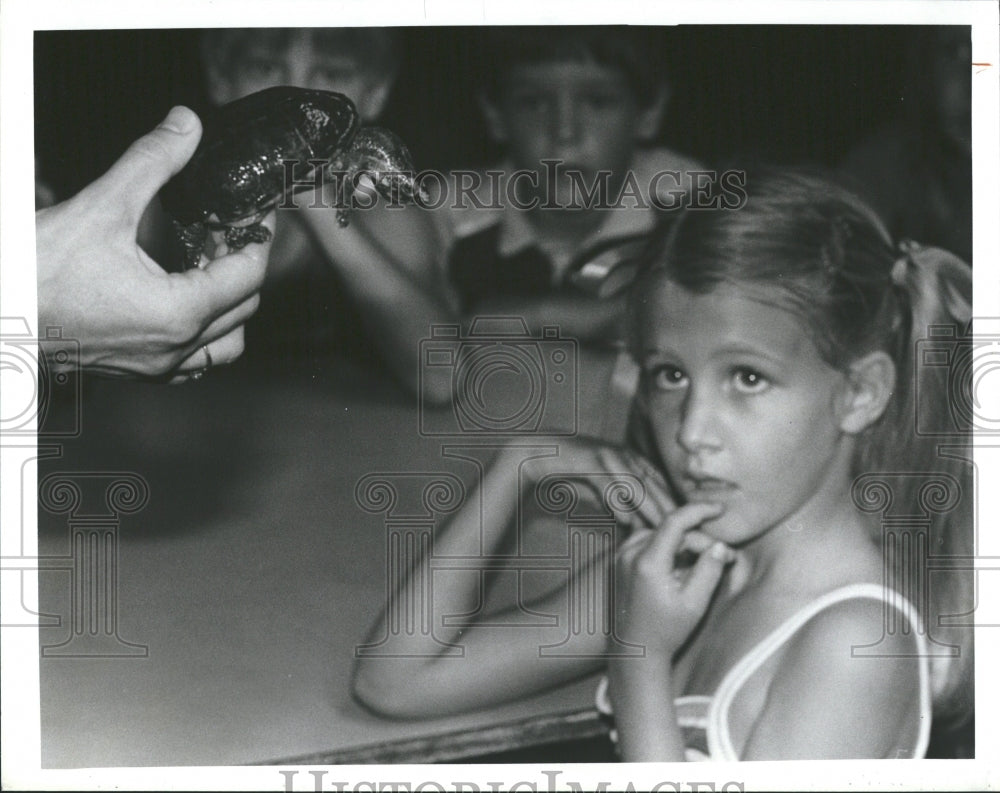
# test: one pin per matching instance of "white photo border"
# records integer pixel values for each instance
(20, 661)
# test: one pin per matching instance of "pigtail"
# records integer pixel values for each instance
(927, 430)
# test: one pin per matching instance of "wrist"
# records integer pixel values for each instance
(642, 698)
(631, 627)
(651, 665)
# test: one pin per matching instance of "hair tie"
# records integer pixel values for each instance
(904, 260)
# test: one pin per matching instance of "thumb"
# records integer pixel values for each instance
(707, 572)
(151, 160)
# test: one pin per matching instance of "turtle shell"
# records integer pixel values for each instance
(238, 168)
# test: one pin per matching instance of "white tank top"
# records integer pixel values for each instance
(704, 720)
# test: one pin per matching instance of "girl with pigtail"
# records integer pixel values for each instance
(801, 465)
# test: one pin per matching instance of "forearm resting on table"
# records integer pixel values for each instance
(499, 660)
(494, 659)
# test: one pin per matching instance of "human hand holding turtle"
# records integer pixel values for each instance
(130, 317)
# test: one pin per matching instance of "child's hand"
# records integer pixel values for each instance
(591, 466)
(657, 604)
(656, 501)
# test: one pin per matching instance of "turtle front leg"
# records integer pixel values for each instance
(238, 237)
(193, 238)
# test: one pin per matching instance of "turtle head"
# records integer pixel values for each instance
(384, 158)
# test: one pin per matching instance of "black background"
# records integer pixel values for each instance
(786, 94)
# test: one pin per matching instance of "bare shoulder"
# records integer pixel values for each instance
(846, 686)
(842, 633)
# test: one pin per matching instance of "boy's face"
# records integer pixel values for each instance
(305, 63)
(582, 114)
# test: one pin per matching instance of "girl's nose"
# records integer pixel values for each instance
(699, 427)
(566, 124)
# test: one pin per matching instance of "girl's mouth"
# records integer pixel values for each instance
(698, 487)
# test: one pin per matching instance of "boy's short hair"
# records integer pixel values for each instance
(375, 49)
(640, 52)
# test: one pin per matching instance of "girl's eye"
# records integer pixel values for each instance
(667, 378)
(749, 381)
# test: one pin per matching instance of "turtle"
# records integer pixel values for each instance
(238, 172)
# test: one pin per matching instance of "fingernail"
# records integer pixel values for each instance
(721, 552)
(180, 120)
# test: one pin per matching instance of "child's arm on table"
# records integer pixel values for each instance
(500, 664)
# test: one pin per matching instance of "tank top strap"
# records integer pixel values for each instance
(720, 743)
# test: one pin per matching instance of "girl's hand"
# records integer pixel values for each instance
(590, 466)
(657, 603)
(656, 502)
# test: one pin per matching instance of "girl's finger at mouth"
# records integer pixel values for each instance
(678, 523)
(696, 541)
(614, 464)
(694, 513)
(612, 461)
(656, 486)
(659, 495)
(657, 502)
(634, 544)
